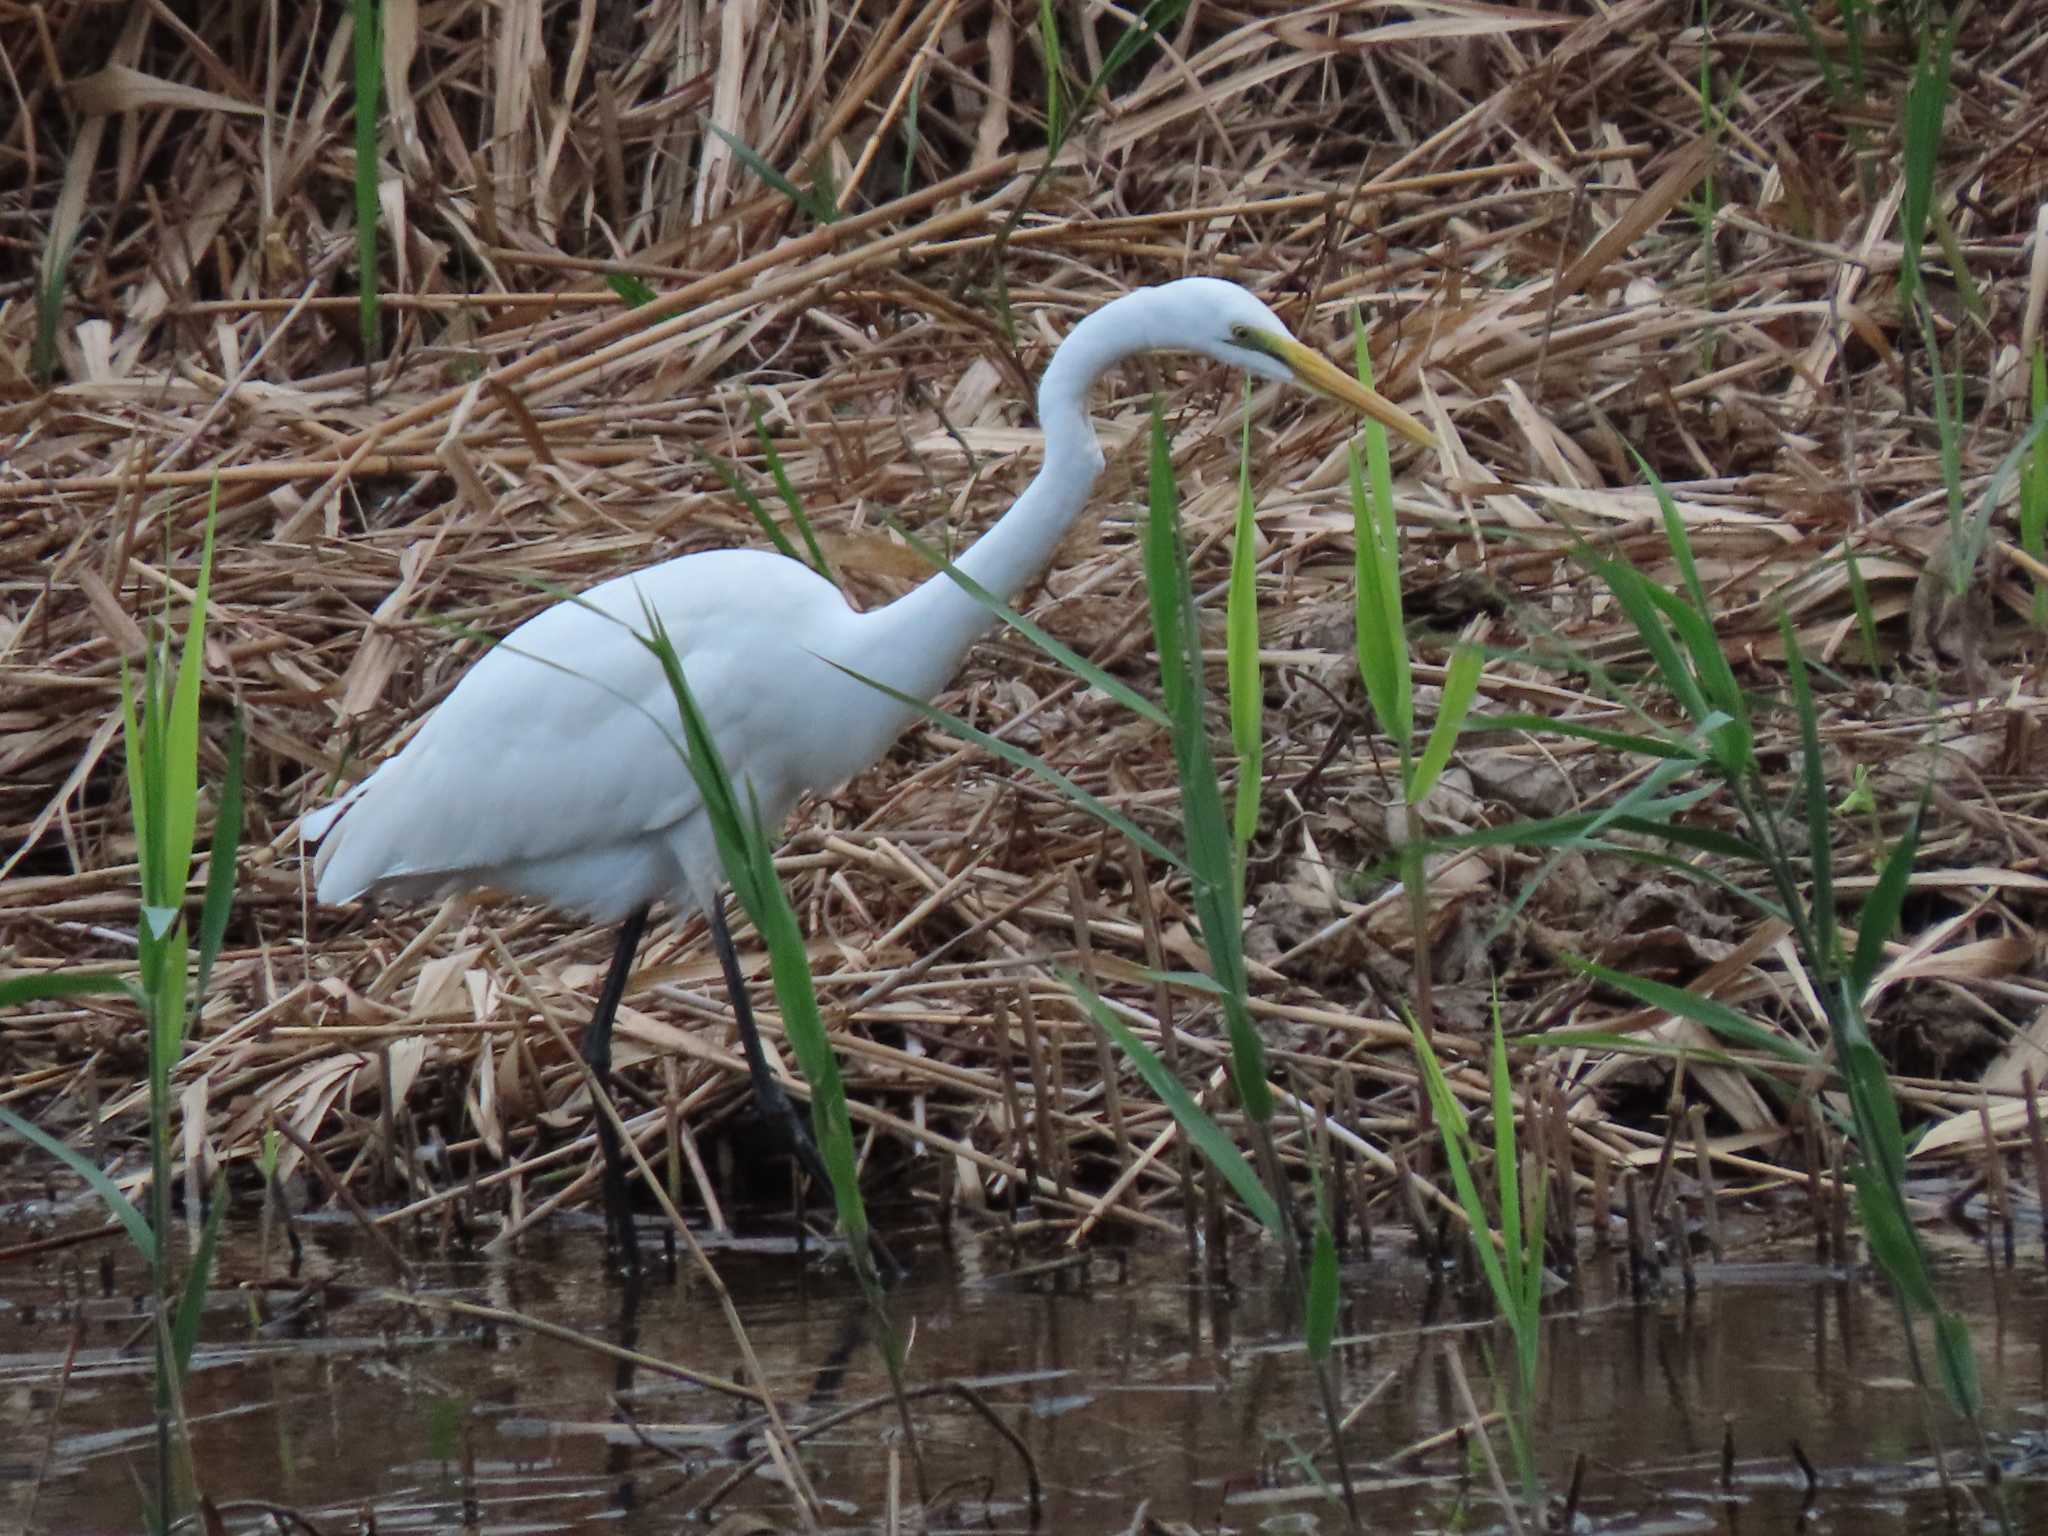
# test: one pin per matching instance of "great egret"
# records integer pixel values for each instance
(544, 771)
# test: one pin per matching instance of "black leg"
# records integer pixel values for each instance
(773, 1102)
(597, 1050)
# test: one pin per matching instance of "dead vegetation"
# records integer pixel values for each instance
(1562, 255)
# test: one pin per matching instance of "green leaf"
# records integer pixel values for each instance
(1055, 85)
(787, 491)
(1707, 1012)
(630, 288)
(760, 513)
(1733, 744)
(748, 859)
(1958, 1364)
(1641, 744)
(136, 713)
(1155, 19)
(1204, 1133)
(911, 109)
(1382, 637)
(1819, 813)
(1507, 1169)
(1319, 1315)
(1880, 919)
(824, 209)
(1859, 599)
(1073, 661)
(1010, 752)
(118, 1205)
(1461, 682)
(192, 1303)
(49, 295)
(1926, 102)
(1247, 700)
(1634, 592)
(1456, 1135)
(37, 985)
(2034, 483)
(1892, 1240)
(181, 739)
(167, 1011)
(1211, 853)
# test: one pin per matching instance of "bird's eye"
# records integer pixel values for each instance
(1240, 332)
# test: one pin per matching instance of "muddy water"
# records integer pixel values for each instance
(1131, 1383)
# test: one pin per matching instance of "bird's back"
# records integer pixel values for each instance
(551, 768)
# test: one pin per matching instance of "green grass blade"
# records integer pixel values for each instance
(1709, 1013)
(1247, 701)
(1640, 743)
(1633, 592)
(1211, 858)
(630, 288)
(1455, 1137)
(1507, 1170)
(1073, 661)
(805, 200)
(220, 865)
(1824, 61)
(1319, 1315)
(911, 109)
(1859, 598)
(1819, 813)
(167, 1008)
(1689, 617)
(181, 734)
(1926, 101)
(118, 1205)
(1202, 1131)
(804, 1027)
(1880, 919)
(749, 862)
(1055, 84)
(760, 513)
(369, 82)
(1461, 682)
(1893, 1243)
(135, 713)
(787, 491)
(192, 1301)
(1010, 752)
(50, 285)
(16, 990)
(1958, 1363)
(1151, 23)
(1380, 621)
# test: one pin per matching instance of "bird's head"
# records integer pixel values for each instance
(1233, 325)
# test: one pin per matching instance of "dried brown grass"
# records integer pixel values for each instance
(1507, 193)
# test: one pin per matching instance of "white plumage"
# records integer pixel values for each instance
(550, 770)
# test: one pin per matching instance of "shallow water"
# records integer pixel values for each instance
(1132, 1383)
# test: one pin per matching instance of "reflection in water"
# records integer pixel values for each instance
(1130, 1379)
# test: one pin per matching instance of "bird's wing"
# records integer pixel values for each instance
(561, 739)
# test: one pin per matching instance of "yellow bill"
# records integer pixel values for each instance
(1318, 373)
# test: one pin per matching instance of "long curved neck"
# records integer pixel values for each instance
(921, 637)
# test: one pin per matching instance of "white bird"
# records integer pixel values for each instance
(547, 771)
